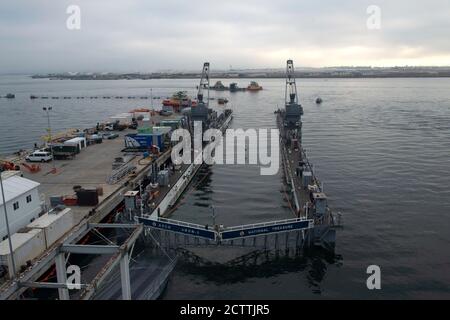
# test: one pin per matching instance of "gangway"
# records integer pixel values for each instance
(265, 228)
(179, 227)
(169, 232)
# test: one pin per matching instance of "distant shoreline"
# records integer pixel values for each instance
(118, 77)
(343, 72)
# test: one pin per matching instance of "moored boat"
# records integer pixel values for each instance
(219, 86)
(254, 86)
(222, 100)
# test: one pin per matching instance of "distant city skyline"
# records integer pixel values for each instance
(146, 36)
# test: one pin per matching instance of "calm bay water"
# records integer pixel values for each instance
(381, 147)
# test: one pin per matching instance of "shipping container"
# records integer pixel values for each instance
(65, 148)
(163, 177)
(78, 141)
(174, 124)
(27, 246)
(144, 141)
(87, 197)
(123, 118)
(56, 200)
(162, 130)
(155, 129)
(307, 178)
(54, 224)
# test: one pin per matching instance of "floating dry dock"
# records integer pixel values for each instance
(314, 223)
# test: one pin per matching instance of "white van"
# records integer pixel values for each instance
(39, 156)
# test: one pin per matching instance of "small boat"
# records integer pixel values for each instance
(33, 97)
(222, 100)
(179, 100)
(219, 86)
(319, 100)
(234, 87)
(140, 110)
(254, 86)
(10, 96)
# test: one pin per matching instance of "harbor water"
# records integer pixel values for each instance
(380, 146)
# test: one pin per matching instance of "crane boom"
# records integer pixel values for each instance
(204, 84)
(291, 86)
(293, 111)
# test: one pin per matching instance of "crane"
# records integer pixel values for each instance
(204, 84)
(293, 110)
(291, 86)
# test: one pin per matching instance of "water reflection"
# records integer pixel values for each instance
(312, 263)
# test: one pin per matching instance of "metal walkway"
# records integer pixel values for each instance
(173, 233)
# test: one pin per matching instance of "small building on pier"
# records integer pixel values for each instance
(23, 203)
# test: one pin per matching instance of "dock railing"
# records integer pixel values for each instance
(179, 223)
(268, 224)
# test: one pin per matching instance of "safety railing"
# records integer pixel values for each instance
(266, 224)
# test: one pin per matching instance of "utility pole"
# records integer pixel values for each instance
(151, 98)
(213, 214)
(142, 198)
(11, 250)
(47, 110)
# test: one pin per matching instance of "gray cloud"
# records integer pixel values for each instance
(153, 35)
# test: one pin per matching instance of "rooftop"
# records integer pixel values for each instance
(47, 219)
(18, 239)
(15, 186)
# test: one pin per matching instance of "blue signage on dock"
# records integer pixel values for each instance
(256, 231)
(174, 227)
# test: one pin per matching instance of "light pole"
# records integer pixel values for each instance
(151, 98)
(11, 250)
(47, 110)
(213, 214)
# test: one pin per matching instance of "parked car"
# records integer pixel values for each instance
(110, 136)
(39, 156)
(166, 112)
(108, 127)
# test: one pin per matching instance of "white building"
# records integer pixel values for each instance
(23, 203)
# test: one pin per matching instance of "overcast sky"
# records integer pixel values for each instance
(156, 35)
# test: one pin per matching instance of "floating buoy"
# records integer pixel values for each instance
(319, 100)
